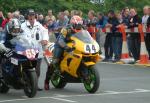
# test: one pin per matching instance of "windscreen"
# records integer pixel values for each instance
(22, 42)
(84, 36)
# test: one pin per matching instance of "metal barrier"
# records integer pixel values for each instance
(131, 30)
(141, 29)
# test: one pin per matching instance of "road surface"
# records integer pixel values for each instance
(119, 84)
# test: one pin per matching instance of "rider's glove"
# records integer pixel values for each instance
(68, 49)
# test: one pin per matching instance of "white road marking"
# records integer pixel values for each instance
(109, 93)
(24, 97)
(117, 64)
(143, 90)
(59, 97)
(56, 98)
(65, 100)
(112, 92)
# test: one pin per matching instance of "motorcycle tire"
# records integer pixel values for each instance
(3, 88)
(57, 81)
(93, 82)
(30, 87)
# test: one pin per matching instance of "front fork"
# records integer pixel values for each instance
(84, 72)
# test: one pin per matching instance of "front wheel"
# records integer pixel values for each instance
(30, 87)
(92, 81)
(3, 87)
(57, 81)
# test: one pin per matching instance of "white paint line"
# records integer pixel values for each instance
(65, 100)
(59, 97)
(143, 90)
(24, 97)
(109, 93)
(12, 100)
(117, 64)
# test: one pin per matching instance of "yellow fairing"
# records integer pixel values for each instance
(72, 67)
(89, 63)
(87, 52)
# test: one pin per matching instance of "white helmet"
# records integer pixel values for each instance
(14, 27)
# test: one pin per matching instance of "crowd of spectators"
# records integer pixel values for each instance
(113, 42)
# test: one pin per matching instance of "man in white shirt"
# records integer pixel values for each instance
(144, 22)
(33, 29)
(146, 15)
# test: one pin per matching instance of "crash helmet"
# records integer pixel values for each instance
(14, 27)
(76, 22)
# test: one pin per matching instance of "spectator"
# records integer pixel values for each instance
(79, 13)
(92, 20)
(40, 19)
(50, 14)
(60, 23)
(67, 14)
(148, 20)
(102, 21)
(91, 27)
(5, 21)
(16, 14)
(146, 15)
(1, 29)
(73, 12)
(135, 38)
(117, 38)
(108, 40)
(1, 18)
(145, 22)
(91, 23)
(51, 25)
(126, 17)
(22, 19)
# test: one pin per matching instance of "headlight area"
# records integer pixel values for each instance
(91, 58)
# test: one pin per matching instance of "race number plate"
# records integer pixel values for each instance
(30, 53)
(90, 48)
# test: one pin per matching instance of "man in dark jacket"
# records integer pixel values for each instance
(147, 23)
(135, 37)
(115, 21)
(126, 17)
(108, 41)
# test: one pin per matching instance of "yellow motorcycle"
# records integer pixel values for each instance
(79, 65)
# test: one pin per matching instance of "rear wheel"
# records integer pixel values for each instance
(30, 87)
(92, 81)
